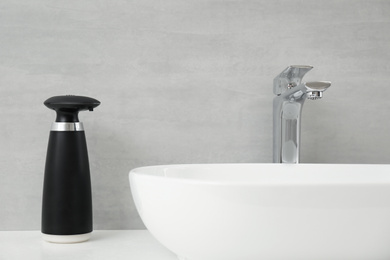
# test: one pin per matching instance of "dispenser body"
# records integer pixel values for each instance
(67, 200)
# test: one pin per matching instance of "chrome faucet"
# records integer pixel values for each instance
(291, 94)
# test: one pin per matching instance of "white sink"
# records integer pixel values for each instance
(267, 211)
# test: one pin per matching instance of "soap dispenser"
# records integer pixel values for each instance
(67, 199)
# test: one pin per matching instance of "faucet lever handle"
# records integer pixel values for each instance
(290, 77)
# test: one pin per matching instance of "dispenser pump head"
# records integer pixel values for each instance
(68, 107)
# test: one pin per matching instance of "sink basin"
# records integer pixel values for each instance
(267, 211)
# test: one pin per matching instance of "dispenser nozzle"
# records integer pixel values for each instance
(68, 107)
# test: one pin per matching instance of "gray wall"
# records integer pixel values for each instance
(183, 82)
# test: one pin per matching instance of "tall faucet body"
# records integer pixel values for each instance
(287, 109)
(287, 122)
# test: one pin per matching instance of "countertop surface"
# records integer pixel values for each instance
(107, 244)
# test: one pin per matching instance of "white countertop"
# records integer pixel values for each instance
(108, 244)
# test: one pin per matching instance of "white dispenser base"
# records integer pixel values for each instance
(66, 239)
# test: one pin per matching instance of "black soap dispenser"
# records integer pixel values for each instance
(67, 199)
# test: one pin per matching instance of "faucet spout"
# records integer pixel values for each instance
(287, 106)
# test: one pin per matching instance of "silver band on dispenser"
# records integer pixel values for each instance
(64, 126)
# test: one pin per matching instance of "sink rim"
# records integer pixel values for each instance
(281, 175)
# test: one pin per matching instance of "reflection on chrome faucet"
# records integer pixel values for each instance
(291, 94)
